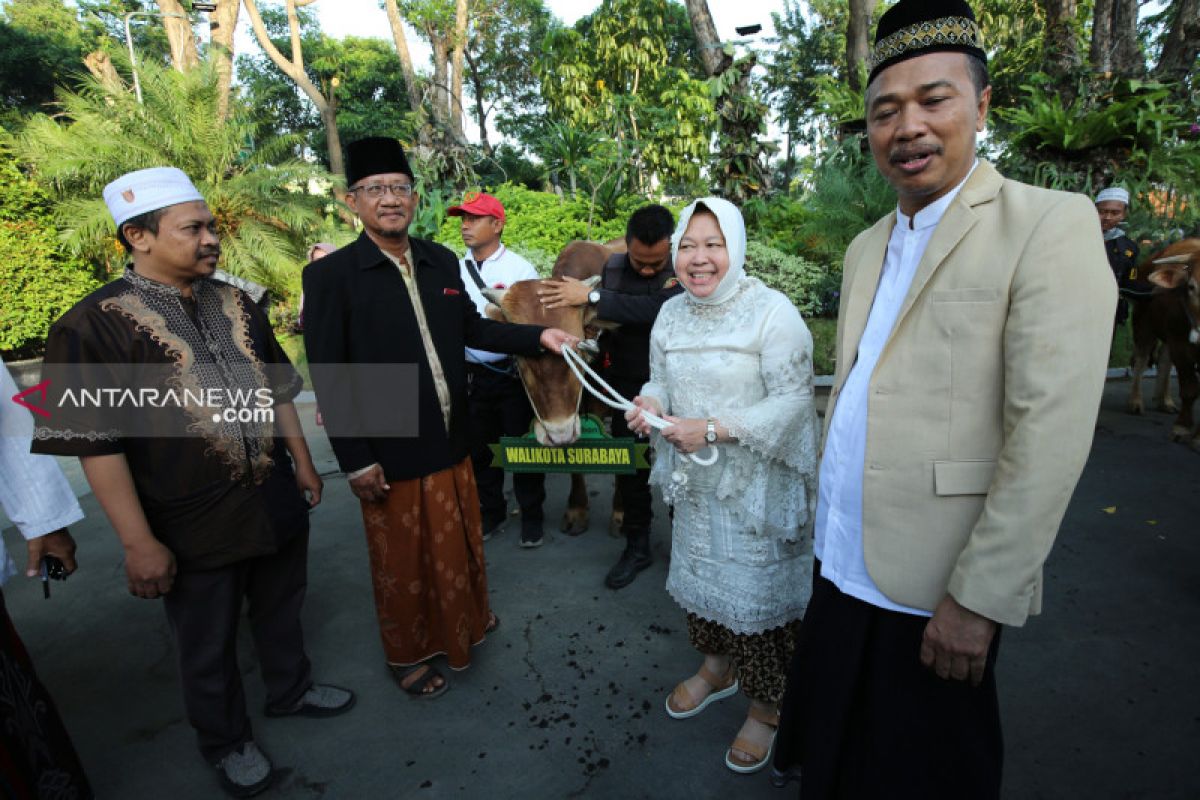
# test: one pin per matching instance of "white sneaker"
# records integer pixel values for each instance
(244, 773)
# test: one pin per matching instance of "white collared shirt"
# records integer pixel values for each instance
(33, 490)
(499, 271)
(838, 538)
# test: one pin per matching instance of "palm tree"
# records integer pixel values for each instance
(267, 204)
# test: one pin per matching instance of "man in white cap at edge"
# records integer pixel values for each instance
(1112, 204)
(211, 512)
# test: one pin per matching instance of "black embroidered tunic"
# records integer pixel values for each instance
(131, 368)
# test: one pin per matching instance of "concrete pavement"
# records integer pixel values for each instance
(1099, 695)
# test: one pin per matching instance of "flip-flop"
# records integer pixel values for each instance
(416, 689)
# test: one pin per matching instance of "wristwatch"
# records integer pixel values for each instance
(594, 297)
(710, 434)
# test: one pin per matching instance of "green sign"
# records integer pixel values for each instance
(593, 452)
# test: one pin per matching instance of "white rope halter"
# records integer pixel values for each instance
(612, 398)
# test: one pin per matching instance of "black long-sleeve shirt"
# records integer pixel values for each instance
(633, 301)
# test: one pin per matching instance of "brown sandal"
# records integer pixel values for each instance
(416, 689)
(722, 686)
(761, 755)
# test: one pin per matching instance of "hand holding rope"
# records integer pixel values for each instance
(614, 399)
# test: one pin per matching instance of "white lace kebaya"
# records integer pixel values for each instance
(741, 544)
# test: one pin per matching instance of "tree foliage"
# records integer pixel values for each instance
(266, 202)
(360, 74)
(629, 70)
(38, 280)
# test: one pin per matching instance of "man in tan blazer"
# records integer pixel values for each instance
(972, 345)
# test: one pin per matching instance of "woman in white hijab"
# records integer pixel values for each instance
(731, 363)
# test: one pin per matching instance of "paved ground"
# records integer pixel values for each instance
(1099, 695)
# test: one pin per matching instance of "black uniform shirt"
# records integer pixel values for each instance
(633, 301)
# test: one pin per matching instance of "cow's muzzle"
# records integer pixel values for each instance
(557, 433)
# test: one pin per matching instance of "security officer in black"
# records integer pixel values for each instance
(632, 288)
(1112, 204)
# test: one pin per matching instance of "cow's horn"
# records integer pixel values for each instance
(592, 281)
(1183, 259)
(495, 295)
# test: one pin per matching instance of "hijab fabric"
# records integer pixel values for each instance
(733, 228)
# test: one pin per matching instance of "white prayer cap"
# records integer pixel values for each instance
(1113, 193)
(147, 190)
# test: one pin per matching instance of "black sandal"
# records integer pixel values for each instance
(492, 625)
(416, 689)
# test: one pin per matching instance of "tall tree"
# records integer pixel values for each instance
(742, 147)
(631, 71)
(712, 53)
(400, 38)
(456, 67)
(223, 24)
(179, 33)
(858, 41)
(1060, 44)
(503, 43)
(1181, 45)
(437, 22)
(371, 97)
(1115, 47)
(294, 68)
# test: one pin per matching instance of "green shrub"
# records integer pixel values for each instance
(811, 287)
(38, 280)
(824, 333)
(539, 224)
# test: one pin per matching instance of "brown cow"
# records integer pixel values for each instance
(583, 260)
(1170, 314)
(553, 390)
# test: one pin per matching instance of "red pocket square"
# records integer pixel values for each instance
(450, 291)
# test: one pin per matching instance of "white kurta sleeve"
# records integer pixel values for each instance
(34, 492)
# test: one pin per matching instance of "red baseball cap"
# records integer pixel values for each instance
(480, 204)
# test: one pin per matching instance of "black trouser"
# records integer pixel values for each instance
(635, 488)
(204, 608)
(497, 406)
(863, 719)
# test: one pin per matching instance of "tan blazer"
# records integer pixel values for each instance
(982, 405)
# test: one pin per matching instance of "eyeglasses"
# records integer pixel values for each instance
(377, 190)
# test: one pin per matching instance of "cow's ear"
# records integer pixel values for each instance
(1171, 277)
(494, 295)
(493, 311)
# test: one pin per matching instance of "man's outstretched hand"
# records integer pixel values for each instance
(553, 340)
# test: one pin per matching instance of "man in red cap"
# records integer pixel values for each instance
(496, 401)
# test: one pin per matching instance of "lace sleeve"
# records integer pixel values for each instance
(657, 385)
(782, 426)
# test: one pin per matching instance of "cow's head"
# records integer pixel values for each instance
(554, 391)
(1179, 271)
